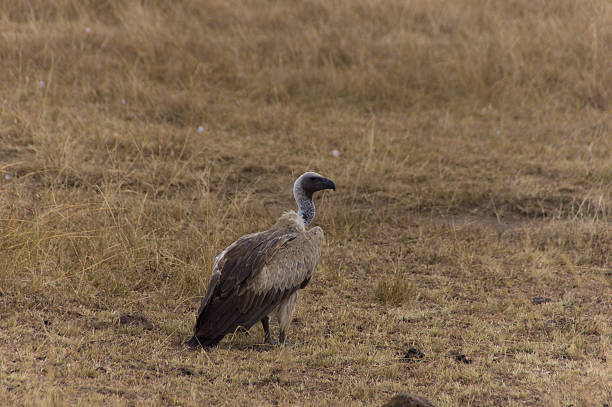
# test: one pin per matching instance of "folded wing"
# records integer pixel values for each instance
(253, 276)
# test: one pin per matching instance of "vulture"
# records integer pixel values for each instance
(259, 275)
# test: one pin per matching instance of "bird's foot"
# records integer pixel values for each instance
(269, 341)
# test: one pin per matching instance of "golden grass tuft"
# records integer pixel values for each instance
(395, 292)
(138, 139)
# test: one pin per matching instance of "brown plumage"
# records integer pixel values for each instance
(260, 274)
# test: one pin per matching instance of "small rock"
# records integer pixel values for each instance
(408, 400)
(335, 153)
(185, 371)
(462, 359)
(412, 355)
(127, 319)
(540, 300)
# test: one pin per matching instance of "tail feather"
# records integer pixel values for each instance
(203, 342)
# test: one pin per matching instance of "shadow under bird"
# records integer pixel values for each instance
(259, 275)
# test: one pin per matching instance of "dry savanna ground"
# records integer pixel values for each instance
(471, 143)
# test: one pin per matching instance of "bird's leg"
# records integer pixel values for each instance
(265, 321)
(281, 336)
(283, 340)
(285, 315)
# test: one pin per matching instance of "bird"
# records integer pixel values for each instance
(258, 276)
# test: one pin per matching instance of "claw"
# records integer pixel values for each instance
(269, 341)
(265, 322)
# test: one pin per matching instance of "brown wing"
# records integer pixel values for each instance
(252, 277)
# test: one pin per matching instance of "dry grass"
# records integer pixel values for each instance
(473, 174)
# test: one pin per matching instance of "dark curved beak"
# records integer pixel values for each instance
(328, 184)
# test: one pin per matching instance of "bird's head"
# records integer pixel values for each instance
(311, 182)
